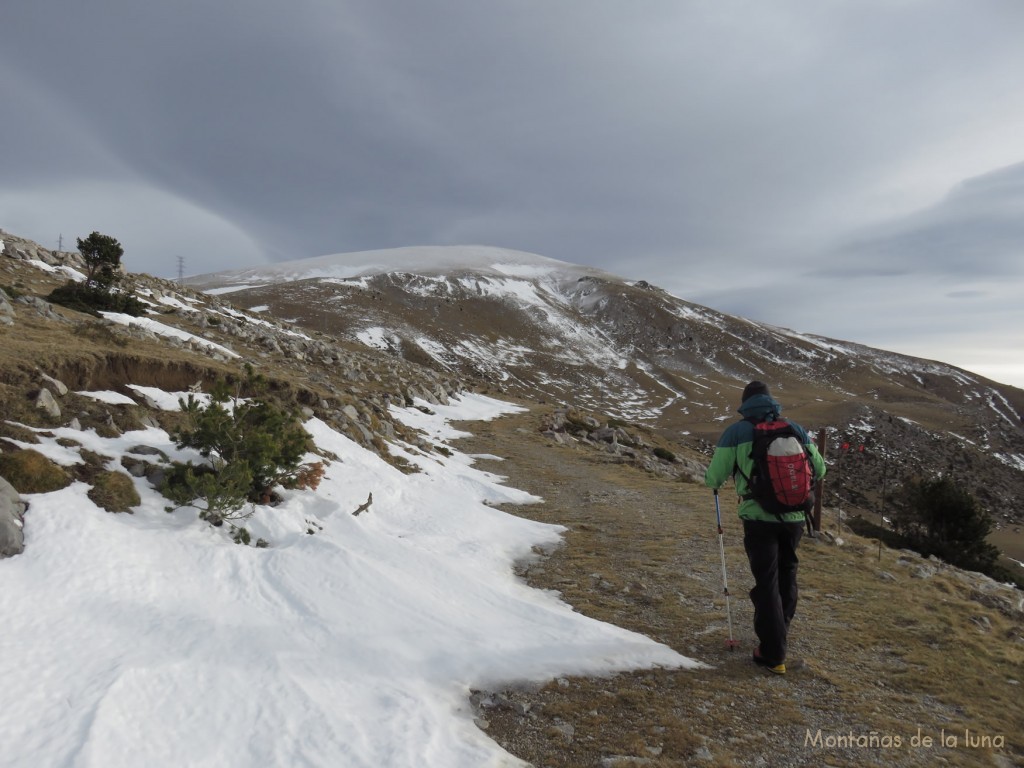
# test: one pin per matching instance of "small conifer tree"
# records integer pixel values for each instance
(941, 518)
(102, 254)
(251, 444)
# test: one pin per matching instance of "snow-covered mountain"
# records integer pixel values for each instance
(422, 260)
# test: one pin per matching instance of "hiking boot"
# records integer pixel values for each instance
(761, 661)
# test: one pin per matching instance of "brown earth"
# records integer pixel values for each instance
(898, 650)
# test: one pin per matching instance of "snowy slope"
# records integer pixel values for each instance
(151, 639)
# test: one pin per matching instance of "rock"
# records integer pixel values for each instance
(146, 399)
(148, 421)
(12, 510)
(135, 467)
(147, 450)
(44, 308)
(156, 476)
(923, 571)
(565, 730)
(1007, 600)
(46, 402)
(621, 761)
(6, 310)
(59, 387)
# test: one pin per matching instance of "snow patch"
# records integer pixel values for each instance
(108, 396)
(168, 331)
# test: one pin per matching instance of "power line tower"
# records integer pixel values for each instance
(181, 270)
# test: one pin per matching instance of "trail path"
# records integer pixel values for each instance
(642, 553)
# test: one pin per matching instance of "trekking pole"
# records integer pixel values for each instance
(731, 643)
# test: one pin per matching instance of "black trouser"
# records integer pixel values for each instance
(771, 550)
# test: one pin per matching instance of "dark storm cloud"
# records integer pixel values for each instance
(710, 147)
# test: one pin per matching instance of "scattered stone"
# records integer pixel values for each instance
(982, 622)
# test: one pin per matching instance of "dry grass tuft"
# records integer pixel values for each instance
(31, 472)
(114, 492)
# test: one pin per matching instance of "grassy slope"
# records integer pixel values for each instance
(887, 652)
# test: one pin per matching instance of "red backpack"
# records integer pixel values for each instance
(783, 477)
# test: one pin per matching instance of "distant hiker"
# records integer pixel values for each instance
(769, 538)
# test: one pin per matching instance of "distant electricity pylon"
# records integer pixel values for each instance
(181, 270)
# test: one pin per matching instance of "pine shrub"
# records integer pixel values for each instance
(251, 445)
(664, 454)
(941, 518)
(94, 299)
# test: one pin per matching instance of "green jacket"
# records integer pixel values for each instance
(732, 457)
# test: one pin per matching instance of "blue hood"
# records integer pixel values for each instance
(760, 407)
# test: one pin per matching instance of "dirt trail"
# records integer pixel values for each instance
(642, 553)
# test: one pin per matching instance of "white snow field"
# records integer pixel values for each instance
(151, 639)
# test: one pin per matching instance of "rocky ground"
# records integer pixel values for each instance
(901, 653)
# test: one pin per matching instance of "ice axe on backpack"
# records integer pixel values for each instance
(730, 643)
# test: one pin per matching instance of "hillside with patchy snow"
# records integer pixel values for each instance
(547, 329)
(153, 638)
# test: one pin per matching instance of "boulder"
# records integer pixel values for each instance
(46, 402)
(58, 386)
(12, 510)
(6, 310)
(43, 308)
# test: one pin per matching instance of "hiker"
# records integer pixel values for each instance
(769, 538)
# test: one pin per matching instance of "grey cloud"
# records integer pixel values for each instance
(705, 145)
(977, 230)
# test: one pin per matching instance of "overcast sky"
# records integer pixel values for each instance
(853, 168)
